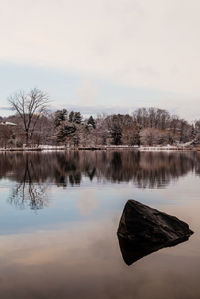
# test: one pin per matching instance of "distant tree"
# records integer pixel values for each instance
(5, 135)
(185, 131)
(59, 117)
(197, 130)
(115, 124)
(65, 130)
(146, 125)
(44, 132)
(152, 136)
(152, 118)
(71, 117)
(174, 124)
(29, 106)
(149, 136)
(193, 132)
(91, 122)
(131, 135)
(77, 118)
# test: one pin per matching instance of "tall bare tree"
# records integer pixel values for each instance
(29, 106)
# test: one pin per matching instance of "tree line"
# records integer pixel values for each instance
(34, 124)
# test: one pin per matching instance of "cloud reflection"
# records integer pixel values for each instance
(88, 202)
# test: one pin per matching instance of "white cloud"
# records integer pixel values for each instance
(136, 43)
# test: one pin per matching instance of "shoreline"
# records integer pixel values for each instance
(101, 148)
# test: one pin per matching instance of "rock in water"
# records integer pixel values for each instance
(143, 230)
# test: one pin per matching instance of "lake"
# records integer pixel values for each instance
(59, 215)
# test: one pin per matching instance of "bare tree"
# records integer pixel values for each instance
(29, 106)
(115, 124)
(149, 136)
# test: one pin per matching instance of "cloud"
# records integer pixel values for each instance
(149, 44)
(6, 108)
(87, 93)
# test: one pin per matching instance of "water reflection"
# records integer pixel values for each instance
(148, 169)
(27, 190)
(31, 171)
(59, 253)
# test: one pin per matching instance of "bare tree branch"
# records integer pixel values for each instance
(29, 106)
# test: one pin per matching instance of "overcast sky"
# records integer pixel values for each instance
(103, 55)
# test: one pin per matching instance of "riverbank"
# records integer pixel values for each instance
(101, 147)
(37, 149)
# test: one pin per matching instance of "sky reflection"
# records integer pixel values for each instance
(68, 248)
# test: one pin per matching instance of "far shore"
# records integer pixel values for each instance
(100, 147)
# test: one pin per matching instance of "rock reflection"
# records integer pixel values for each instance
(143, 230)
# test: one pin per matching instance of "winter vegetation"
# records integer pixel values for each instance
(33, 124)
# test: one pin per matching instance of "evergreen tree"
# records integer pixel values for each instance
(193, 132)
(64, 131)
(91, 122)
(77, 118)
(59, 117)
(71, 117)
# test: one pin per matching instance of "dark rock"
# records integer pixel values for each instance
(143, 230)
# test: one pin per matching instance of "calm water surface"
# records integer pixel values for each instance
(59, 214)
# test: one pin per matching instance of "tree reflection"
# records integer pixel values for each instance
(33, 171)
(27, 192)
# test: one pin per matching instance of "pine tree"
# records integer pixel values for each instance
(71, 117)
(77, 118)
(60, 116)
(91, 122)
(193, 132)
(64, 131)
